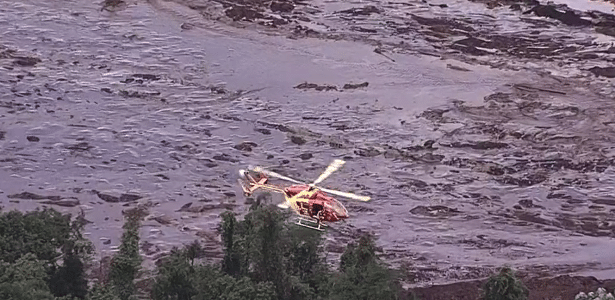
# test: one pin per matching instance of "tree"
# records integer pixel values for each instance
(212, 284)
(362, 275)
(231, 263)
(127, 262)
(25, 279)
(50, 236)
(175, 278)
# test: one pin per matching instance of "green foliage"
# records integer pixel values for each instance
(39, 232)
(102, 292)
(505, 286)
(363, 276)
(49, 236)
(231, 263)
(175, 279)
(213, 284)
(25, 279)
(127, 262)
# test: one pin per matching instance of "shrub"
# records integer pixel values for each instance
(505, 286)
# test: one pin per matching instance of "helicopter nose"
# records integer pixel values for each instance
(242, 173)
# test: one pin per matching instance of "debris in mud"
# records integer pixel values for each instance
(31, 138)
(245, 146)
(139, 78)
(608, 72)
(367, 152)
(138, 94)
(32, 196)
(567, 17)
(355, 85)
(481, 145)
(205, 207)
(225, 157)
(305, 156)
(281, 6)
(434, 211)
(527, 203)
(241, 13)
(113, 5)
(524, 180)
(83, 146)
(2, 134)
(63, 202)
(306, 85)
(114, 199)
(297, 140)
(457, 68)
(26, 61)
(362, 11)
(263, 131)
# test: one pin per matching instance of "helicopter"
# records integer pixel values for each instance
(312, 203)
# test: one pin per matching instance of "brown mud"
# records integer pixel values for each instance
(482, 129)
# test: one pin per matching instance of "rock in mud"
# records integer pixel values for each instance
(83, 146)
(305, 156)
(434, 211)
(368, 152)
(2, 134)
(63, 202)
(524, 180)
(362, 11)
(281, 6)
(481, 145)
(349, 86)
(245, 146)
(32, 196)
(163, 220)
(263, 131)
(201, 208)
(25, 61)
(32, 138)
(608, 72)
(325, 87)
(527, 203)
(121, 198)
(297, 140)
(567, 17)
(238, 13)
(225, 157)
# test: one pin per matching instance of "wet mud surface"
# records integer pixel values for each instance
(483, 130)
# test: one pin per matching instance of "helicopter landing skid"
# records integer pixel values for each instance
(309, 223)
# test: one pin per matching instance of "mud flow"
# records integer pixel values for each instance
(482, 130)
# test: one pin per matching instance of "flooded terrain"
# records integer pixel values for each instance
(483, 130)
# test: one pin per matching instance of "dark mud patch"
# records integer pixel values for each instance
(33, 196)
(435, 211)
(188, 207)
(329, 87)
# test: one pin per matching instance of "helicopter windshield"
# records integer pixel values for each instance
(338, 208)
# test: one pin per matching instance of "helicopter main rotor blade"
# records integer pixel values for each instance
(345, 194)
(336, 164)
(274, 174)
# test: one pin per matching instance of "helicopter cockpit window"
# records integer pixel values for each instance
(338, 208)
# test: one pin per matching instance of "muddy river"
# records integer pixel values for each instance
(483, 130)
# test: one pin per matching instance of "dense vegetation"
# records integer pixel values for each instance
(43, 255)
